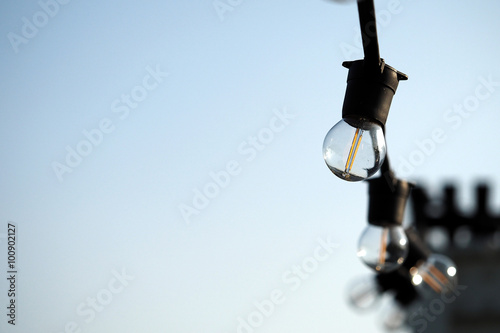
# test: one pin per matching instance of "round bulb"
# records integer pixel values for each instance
(438, 274)
(365, 293)
(354, 153)
(395, 317)
(383, 248)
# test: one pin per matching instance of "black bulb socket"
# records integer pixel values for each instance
(369, 91)
(387, 201)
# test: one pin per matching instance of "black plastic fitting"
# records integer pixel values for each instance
(369, 91)
(387, 201)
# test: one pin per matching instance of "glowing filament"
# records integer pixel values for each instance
(438, 275)
(383, 246)
(354, 150)
(436, 280)
(431, 282)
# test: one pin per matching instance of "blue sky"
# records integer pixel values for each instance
(245, 96)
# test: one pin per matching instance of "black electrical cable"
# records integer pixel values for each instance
(368, 25)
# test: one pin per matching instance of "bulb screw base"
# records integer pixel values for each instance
(369, 91)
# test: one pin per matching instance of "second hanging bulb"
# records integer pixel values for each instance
(383, 248)
(355, 149)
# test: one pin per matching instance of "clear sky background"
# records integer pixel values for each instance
(117, 210)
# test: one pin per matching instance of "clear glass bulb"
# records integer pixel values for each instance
(354, 153)
(437, 275)
(383, 248)
(394, 317)
(365, 293)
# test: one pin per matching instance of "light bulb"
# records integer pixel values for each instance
(365, 293)
(354, 151)
(383, 248)
(395, 317)
(437, 275)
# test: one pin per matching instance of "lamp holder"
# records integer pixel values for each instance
(418, 250)
(398, 282)
(369, 92)
(387, 201)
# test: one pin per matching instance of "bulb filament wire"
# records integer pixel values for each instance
(383, 246)
(354, 150)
